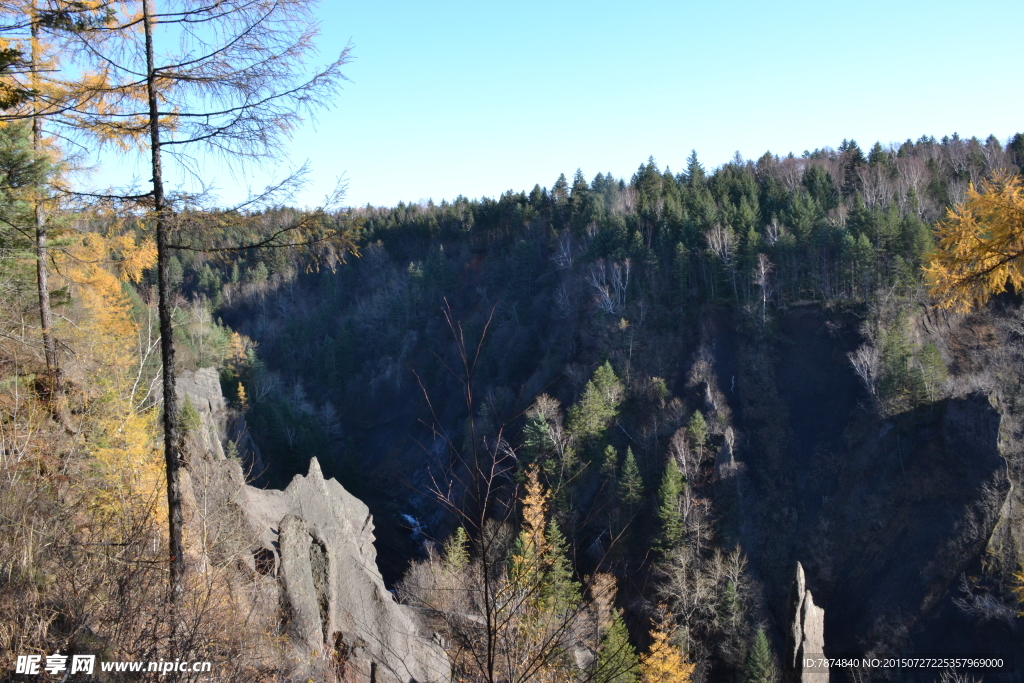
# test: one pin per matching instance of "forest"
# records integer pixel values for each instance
(681, 426)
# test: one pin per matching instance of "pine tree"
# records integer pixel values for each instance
(669, 514)
(761, 667)
(617, 661)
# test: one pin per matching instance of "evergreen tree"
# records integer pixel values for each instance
(617, 661)
(598, 406)
(669, 515)
(560, 190)
(695, 175)
(610, 463)
(761, 667)
(901, 382)
(822, 188)
(1015, 148)
(631, 485)
(698, 431)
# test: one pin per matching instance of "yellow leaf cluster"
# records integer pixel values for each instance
(664, 662)
(980, 248)
(121, 436)
(535, 515)
(1018, 589)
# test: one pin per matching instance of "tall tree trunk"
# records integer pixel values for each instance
(42, 279)
(172, 444)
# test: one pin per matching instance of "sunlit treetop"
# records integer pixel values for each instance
(980, 249)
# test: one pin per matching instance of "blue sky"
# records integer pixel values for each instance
(476, 98)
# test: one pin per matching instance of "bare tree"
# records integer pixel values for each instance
(867, 363)
(762, 270)
(609, 281)
(722, 243)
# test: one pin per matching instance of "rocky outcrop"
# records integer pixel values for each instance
(335, 597)
(201, 391)
(805, 637)
(314, 542)
(219, 425)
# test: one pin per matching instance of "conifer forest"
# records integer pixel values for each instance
(713, 423)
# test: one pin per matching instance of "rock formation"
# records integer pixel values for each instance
(316, 540)
(806, 634)
(219, 425)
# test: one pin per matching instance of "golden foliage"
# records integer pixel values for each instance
(82, 524)
(664, 662)
(533, 539)
(980, 246)
(1018, 589)
(122, 436)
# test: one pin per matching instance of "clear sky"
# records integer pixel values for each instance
(476, 98)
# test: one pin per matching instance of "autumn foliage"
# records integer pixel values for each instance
(980, 246)
(664, 661)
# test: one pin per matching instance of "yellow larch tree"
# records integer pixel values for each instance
(120, 425)
(980, 250)
(664, 661)
(540, 600)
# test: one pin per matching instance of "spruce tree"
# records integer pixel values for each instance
(631, 485)
(610, 463)
(669, 516)
(617, 661)
(598, 406)
(695, 175)
(761, 666)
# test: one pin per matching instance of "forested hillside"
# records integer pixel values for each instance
(598, 425)
(716, 374)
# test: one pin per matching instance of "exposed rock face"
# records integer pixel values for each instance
(202, 389)
(806, 634)
(317, 540)
(336, 596)
(726, 464)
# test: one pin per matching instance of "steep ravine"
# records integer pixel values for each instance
(884, 515)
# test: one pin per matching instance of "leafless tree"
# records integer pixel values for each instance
(721, 242)
(565, 251)
(610, 282)
(867, 363)
(498, 624)
(762, 270)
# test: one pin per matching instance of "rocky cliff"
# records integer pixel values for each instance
(314, 542)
